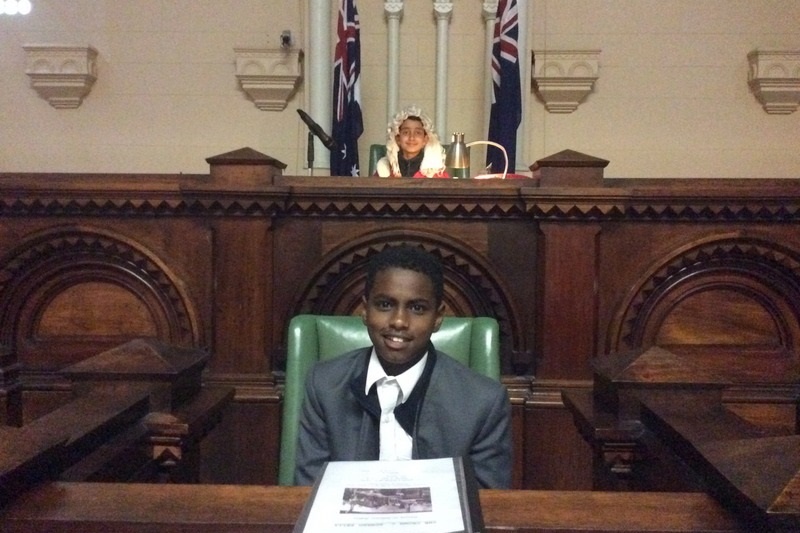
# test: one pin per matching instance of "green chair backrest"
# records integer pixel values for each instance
(376, 152)
(311, 338)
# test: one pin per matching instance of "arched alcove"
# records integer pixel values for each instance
(733, 297)
(72, 291)
(472, 287)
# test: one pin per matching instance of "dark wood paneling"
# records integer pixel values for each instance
(242, 295)
(237, 456)
(569, 304)
(556, 457)
(221, 261)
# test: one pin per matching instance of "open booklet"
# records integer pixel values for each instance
(419, 496)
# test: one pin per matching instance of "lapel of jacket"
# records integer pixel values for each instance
(368, 446)
(407, 413)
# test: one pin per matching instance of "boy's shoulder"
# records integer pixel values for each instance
(343, 361)
(453, 368)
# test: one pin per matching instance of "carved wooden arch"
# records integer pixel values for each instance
(72, 258)
(471, 287)
(762, 275)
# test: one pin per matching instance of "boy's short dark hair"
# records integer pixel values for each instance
(408, 258)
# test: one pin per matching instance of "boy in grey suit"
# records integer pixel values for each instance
(401, 398)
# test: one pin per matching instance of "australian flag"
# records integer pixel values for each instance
(506, 111)
(347, 124)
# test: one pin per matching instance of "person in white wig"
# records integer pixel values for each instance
(413, 149)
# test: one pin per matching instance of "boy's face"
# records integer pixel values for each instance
(411, 138)
(401, 314)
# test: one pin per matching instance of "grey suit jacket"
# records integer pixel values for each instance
(462, 414)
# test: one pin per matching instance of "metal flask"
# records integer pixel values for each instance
(457, 158)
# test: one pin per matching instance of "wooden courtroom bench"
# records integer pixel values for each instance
(138, 413)
(658, 420)
(138, 508)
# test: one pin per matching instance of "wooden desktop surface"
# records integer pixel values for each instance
(124, 508)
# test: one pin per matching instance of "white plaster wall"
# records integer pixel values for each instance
(417, 74)
(166, 97)
(672, 99)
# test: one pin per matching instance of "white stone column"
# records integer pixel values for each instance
(319, 60)
(394, 12)
(443, 10)
(524, 75)
(489, 17)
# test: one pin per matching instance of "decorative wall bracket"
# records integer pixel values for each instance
(774, 78)
(61, 74)
(270, 77)
(563, 78)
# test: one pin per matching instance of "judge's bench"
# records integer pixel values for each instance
(649, 339)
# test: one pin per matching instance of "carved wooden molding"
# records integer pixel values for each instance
(471, 286)
(181, 195)
(671, 200)
(761, 270)
(464, 273)
(46, 264)
(383, 202)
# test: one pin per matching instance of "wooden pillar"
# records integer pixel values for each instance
(568, 300)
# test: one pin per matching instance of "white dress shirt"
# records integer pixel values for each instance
(395, 443)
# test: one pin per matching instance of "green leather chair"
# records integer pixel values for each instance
(376, 152)
(473, 341)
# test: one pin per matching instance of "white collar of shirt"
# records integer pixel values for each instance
(407, 380)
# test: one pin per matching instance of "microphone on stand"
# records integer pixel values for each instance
(315, 128)
(310, 153)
